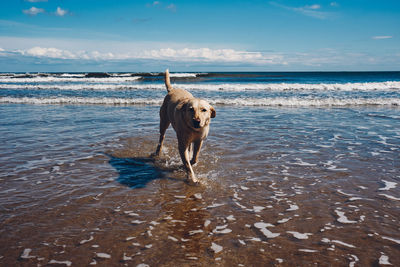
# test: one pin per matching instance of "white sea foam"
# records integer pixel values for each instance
(390, 197)
(260, 225)
(73, 75)
(126, 258)
(74, 78)
(342, 218)
(231, 218)
(299, 235)
(355, 198)
(193, 232)
(137, 222)
(263, 228)
(388, 185)
(184, 75)
(173, 238)
(343, 193)
(215, 205)
(391, 239)
(300, 162)
(284, 220)
(103, 255)
(384, 260)
(25, 254)
(216, 248)
(67, 263)
(255, 239)
(285, 102)
(258, 208)
(86, 240)
(326, 240)
(303, 102)
(355, 260)
(81, 101)
(389, 85)
(292, 207)
(101, 83)
(222, 230)
(308, 250)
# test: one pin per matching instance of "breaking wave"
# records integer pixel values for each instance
(118, 83)
(271, 102)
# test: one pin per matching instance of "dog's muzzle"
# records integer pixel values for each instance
(196, 124)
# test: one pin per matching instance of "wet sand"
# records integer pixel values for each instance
(280, 187)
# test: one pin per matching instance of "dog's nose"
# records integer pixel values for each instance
(196, 123)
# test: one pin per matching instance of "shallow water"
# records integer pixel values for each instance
(280, 186)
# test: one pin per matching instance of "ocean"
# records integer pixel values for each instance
(299, 168)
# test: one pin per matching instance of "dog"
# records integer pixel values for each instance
(190, 117)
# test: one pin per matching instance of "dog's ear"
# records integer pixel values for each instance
(182, 105)
(213, 113)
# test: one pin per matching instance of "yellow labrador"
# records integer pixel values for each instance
(190, 117)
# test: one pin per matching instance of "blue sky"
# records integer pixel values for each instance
(278, 35)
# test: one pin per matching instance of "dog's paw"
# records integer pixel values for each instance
(193, 182)
(154, 155)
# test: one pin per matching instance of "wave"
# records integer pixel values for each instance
(389, 85)
(186, 75)
(302, 102)
(66, 79)
(80, 86)
(91, 76)
(115, 84)
(268, 102)
(81, 101)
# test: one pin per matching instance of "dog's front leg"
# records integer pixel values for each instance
(197, 146)
(184, 153)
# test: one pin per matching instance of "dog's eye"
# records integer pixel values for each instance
(204, 110)
(191, 109)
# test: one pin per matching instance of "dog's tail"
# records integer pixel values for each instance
(167, 81)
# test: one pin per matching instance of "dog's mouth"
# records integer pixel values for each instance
(196, 124)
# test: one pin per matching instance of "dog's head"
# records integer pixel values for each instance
(197, 113)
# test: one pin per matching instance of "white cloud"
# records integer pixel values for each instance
(122, 54)
(49, 52)
(35, 1)
(211, 55)
(171, 7)
(334, 4)
(158, 4)
(315, 6)
(382, 37)
(310, 11)
(33, 11)
(154, 4)
(205, 55)
(66, 54)
(61, 12)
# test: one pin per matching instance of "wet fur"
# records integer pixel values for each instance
(190, 117)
